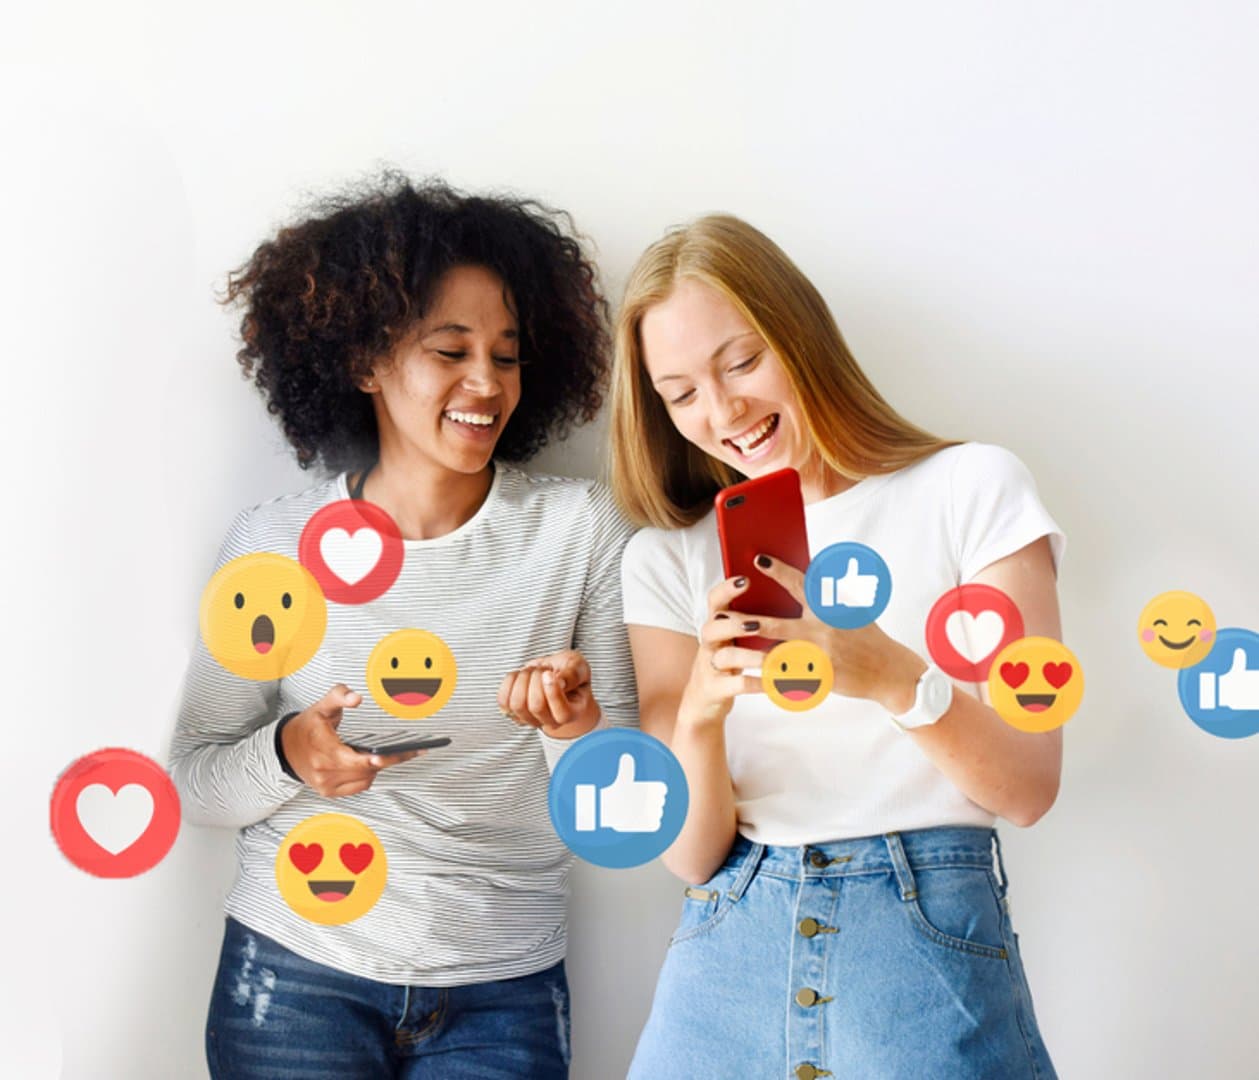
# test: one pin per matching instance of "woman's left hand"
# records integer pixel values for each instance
(867, 663)
(551, 693)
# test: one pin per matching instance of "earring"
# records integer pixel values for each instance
(370, 384)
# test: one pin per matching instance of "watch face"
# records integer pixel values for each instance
(937, 690)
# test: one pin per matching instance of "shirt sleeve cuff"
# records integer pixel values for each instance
(279, 747)
(554, 749)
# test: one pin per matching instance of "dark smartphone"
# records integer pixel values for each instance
(765, 514)
(400, 747)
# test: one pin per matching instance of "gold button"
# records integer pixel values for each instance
(808, 927)
(819, 860)
(806, 1072)
(806, 997)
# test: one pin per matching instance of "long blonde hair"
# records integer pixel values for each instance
(659, 477)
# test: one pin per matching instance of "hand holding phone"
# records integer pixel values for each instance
(763, 515)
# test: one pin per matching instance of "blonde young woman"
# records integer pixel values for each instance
(846, 915)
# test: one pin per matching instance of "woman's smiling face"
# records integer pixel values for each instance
(725, 390)
(449, 389)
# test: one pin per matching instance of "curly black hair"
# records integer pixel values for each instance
(329, 296)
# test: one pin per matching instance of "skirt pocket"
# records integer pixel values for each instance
(958, 908)
(704, 906)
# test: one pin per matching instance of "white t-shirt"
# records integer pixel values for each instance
(843, 769)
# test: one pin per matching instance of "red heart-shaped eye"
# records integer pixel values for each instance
(1057, 674)
(1014, 675)
(306, 856)
(357, 859)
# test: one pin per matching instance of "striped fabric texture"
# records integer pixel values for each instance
(477, 878)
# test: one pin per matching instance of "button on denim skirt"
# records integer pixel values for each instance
(885, 956)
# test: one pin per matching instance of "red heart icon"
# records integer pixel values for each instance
(1057, 674)
(306, 856)
(357, 859)
(1014, 675)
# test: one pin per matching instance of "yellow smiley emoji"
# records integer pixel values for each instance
(263, 616)
(1177, 629)
(797, 675)
(411, 674)
(1035, 684)
(331, 869)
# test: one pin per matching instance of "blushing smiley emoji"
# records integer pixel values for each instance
(263, 616)
(331, 869)
(1035, 684)
(797, 675)
(411, 674)
(1177, 629)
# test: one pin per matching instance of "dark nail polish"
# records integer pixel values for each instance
(764, 562)
(721, 615)
(739, 582)
(751, 624)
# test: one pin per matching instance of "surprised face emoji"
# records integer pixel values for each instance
(263, 616)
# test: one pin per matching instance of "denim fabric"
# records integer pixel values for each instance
(277, 1016)
(909, 967)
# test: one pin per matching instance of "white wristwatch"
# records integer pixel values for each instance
(932, 699)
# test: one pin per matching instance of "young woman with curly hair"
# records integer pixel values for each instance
(418, 343)
(846, 915)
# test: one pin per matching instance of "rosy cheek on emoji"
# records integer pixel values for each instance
(1177, 629)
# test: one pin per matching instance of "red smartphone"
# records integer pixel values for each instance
(765, 514)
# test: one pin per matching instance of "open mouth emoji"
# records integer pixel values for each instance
(411, 674)
(263, 616)
(348, 859)
(411, 691)
(1035, 684)
(1177, 630)
(797, 675)
(331, 891)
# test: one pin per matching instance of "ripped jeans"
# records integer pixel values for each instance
(279, 1016)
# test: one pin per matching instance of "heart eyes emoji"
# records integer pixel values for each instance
(355, 858)
(1035, 684)
(1057, 675)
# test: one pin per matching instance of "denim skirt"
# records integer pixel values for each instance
(884, 956)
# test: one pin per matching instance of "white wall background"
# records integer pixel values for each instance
(1038, 225)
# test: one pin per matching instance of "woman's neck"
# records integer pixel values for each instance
(426, 502)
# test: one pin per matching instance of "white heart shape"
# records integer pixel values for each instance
(115, 821)
(351, 558)
(974, 636)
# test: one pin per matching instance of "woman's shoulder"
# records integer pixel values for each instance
(671, 547)
(964, 467)
(276, 523)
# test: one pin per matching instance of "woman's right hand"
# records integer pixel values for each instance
(717, 674)
(316, 753)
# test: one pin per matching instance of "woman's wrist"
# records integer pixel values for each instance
(897, 689)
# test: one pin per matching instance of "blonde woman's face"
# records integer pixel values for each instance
(725, 389)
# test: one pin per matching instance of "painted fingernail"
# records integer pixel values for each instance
(751, 624)
(722, 615)
(739, 582)
(764, 562)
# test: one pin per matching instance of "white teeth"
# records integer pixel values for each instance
(746, 441)
(480, 419)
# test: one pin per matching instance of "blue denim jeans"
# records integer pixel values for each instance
(276, 1016)
(885, 956)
